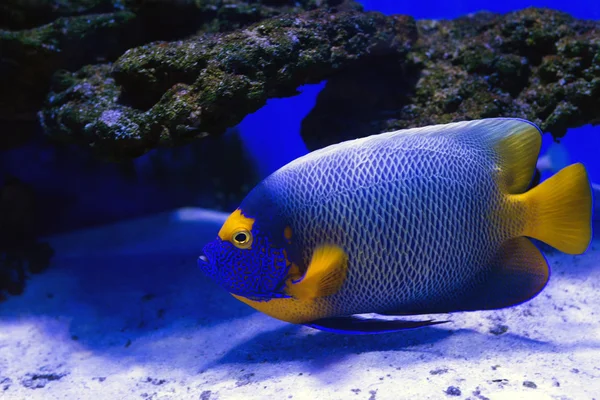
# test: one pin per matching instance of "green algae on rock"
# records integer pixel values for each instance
(46, 35)
(30, 57)
(25, 14)
(169, 93)
(496, 64)
(97, 119)
(215, 15)
(537, 64)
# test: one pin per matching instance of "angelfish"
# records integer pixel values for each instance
(428, 220)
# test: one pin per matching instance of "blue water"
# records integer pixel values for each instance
(80, 191)
(278, 126)
(435, 9)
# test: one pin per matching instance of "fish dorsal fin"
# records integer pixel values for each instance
(512, 143)
(324, 276)
(517, 145)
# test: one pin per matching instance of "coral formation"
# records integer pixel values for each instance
(536, 64)
(384, 73)
(39, 37)
(168, 93)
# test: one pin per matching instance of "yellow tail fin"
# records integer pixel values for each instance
(559, 210)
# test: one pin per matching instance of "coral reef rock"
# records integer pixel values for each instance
(385, 73)
(39, 37)
(166, 93)
(537, 64)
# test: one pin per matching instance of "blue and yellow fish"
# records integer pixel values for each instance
(419, 221)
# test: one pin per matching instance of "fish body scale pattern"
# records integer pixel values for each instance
(418, 216)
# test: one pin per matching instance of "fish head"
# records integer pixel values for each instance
(246, 259)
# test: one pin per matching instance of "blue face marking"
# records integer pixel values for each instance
(258, 273)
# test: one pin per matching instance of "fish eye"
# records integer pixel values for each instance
(242, 239)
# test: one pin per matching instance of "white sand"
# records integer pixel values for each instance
(124, 313)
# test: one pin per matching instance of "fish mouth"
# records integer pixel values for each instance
(206, 254)
(203, 260)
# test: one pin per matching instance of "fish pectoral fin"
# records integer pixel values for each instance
(519, 272)
(324, 276)
(355, 325)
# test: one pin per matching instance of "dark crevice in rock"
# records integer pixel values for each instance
(30, 57)
(359, 101)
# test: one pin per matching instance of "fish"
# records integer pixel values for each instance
(429, 220)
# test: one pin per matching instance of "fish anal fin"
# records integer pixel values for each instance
(324, 276)
(518, 273)
(355, 325)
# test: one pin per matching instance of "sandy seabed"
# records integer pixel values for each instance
(124, 313)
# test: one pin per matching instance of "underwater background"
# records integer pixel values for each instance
(99, 290)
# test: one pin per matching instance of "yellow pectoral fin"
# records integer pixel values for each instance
(325, 275)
